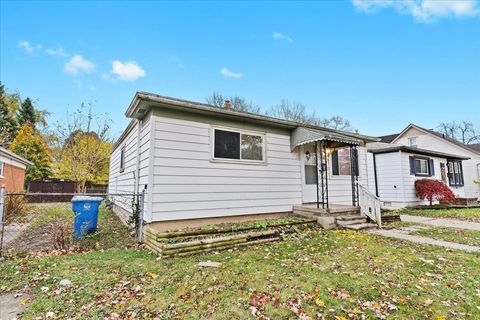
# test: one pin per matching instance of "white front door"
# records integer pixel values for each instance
(309, 173)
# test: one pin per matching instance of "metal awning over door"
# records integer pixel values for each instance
(304, 135)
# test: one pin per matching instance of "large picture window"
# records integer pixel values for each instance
(455, 172)
(237, 145)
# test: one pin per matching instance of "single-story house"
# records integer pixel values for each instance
(399, 159)
(201, 164)
(12, 170)
(394, 168)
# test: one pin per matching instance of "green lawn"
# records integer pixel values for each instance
(469, 214)
(470, 237)
(329, 274)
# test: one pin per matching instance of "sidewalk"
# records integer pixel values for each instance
(436, 222)
(403, 234)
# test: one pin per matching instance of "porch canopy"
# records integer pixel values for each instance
(325, 141)
(304, 135)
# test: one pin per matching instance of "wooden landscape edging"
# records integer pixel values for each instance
(155, 241)
(185, 233)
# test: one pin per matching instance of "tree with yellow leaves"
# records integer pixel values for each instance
(84, 158)
(83, 151)
(32, 146)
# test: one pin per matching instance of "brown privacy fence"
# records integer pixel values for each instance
(61, 189)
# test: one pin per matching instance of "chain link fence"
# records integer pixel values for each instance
(38, 222)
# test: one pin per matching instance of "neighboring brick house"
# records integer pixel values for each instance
(12, 170)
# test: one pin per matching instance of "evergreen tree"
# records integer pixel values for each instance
(8, 124)
(27, 113)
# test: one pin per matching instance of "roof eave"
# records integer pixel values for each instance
(132, 112)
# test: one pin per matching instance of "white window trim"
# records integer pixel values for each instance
(410, 142)
(427, 161)
(123, 150)
(331, 176)
(2, 168)
(238, 161)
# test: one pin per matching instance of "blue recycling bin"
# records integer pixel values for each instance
(86, 214)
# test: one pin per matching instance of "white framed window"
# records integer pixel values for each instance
(422, 166)
(412, 142)
(342, 162)
(122, 159)
(2, 169)
(238, 145)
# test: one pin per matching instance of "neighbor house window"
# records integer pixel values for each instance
(1, 169)
(455, 172)
(420, 166)
(412, 142)
(122, 159)
(238, 145)
(342, 163)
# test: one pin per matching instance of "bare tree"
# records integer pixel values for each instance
(336, 122)
(463, 132)
(238, 103)
(292, 111)
(295, 111)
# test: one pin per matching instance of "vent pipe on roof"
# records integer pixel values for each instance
(227, 105)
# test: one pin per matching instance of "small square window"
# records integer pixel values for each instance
(421, 166)
(412, 142)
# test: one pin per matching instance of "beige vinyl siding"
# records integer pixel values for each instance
(340, 187)
(187, 184)
(136, 151)
(431, 142)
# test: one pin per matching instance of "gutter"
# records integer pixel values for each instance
(232, 113)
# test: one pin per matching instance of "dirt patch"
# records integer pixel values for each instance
(33, 239)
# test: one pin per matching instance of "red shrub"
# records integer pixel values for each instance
(430, 189)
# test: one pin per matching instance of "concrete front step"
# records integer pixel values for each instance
(346, 223)
(361, 226)
(350, 217)
(325, 212)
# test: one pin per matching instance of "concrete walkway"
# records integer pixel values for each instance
(403, 234)
(436, 222)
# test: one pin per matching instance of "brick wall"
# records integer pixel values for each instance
(13, 178)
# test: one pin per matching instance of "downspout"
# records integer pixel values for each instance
(375, 174)
(137, 169)
(478, 177)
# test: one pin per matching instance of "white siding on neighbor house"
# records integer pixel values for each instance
(187, 184)
(431, 142)
(396, 186)
(136, 152)
(410, 195)
(389, 177)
